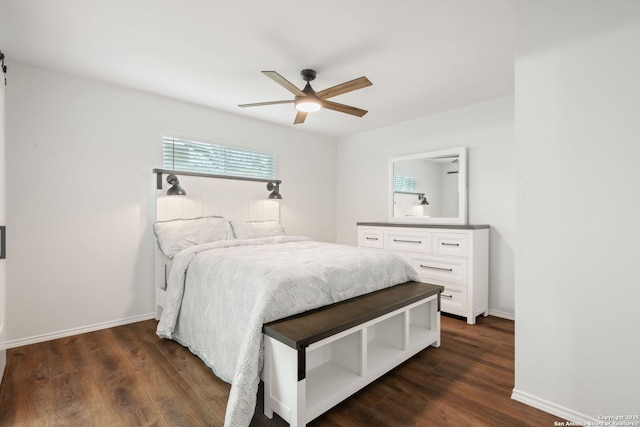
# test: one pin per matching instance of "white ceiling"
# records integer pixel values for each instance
(423, 56)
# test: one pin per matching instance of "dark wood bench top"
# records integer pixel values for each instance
(302, 329)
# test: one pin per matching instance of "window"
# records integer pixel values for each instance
(203, 157)
(404, 183)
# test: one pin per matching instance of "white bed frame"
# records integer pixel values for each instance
(235, 200)
(416, 326)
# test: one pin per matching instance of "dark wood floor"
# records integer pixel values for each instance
(126, 376)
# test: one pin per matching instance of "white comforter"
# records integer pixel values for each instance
(220, 294)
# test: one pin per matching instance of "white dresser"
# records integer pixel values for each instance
(454, 256)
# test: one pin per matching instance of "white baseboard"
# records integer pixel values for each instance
(503, 314)
(561, 412)
(76, 331)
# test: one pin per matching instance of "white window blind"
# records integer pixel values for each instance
(406, 183)
(203, 157)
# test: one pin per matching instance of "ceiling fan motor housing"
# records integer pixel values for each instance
(310, 102)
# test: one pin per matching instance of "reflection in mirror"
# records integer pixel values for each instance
(429, 187)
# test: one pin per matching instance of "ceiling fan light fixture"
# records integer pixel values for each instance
(308, 104)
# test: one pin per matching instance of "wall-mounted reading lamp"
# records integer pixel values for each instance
(274, 187)
(175, 189)
(423, 199)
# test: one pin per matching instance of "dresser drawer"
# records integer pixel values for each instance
(411, 241)
(454, 244)
(454, 299)
(440, 268)
(371, 237)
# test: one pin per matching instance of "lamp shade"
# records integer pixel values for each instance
(175, 189)
(274, 187)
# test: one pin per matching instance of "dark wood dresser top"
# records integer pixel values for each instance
(421, 225)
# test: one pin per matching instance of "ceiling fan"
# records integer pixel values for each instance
(308, 100)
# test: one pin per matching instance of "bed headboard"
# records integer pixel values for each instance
(235, 200)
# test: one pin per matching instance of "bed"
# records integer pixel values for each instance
(225, 279)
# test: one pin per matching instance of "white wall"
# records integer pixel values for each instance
(578, 207)
(487, 130)
(80, 194)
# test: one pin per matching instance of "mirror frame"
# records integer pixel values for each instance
(461, 152)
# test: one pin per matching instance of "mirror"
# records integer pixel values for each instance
(429, 187)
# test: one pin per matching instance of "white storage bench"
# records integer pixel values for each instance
(315, 360)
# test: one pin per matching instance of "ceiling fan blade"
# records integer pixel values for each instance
(343, 108)
(258, 104)
(354, 84)
(300, 117)
(283, 82)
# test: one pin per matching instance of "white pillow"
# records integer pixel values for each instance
(178, 234)
(256, 229)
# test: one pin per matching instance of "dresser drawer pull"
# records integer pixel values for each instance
(446, 296)
(436, 268)
(407, 241)
(450, 244)
(371, 238)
